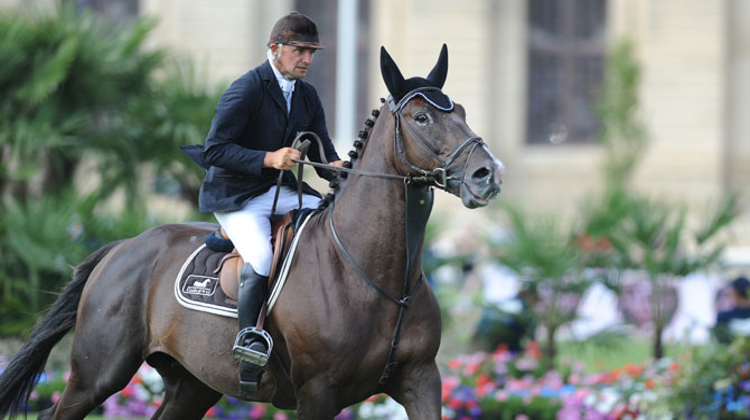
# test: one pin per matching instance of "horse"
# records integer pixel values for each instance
(354, 319)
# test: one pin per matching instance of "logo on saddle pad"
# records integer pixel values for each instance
(200, 285)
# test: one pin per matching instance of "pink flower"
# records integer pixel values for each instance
(501, 395)
(280, 416)
(257, 411)
(449, 384)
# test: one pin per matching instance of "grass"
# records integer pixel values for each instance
(597, 359)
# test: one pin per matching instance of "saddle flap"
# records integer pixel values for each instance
(230, 267)
(229, 274)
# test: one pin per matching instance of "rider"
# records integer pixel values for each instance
(256, 120)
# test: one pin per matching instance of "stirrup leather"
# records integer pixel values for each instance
(255, 357)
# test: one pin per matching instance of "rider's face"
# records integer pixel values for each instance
(294, 61)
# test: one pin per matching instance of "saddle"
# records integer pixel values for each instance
(230, 266)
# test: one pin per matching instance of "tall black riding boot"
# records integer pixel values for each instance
(252, 345)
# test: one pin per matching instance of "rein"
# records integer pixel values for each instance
(419, 199)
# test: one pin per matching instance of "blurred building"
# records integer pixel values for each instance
(528, 73)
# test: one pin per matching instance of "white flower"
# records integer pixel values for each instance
(141, 394)
(607, 399)
(366, 410)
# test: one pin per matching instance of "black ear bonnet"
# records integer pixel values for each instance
(428, 88)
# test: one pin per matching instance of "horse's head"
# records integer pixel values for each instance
(432, 139)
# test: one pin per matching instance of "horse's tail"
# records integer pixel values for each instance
(22, 373)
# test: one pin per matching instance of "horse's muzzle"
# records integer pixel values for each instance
(482, 183)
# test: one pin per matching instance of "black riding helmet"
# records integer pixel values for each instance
(296, 29)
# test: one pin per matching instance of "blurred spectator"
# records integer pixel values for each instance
(510, 322)
(735, 321)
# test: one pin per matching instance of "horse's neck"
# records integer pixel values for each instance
(369, 213)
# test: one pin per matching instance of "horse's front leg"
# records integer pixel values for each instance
(315, 400)
(418, 389)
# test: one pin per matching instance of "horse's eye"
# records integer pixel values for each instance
(422, 118)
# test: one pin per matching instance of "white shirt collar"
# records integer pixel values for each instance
(285, 85)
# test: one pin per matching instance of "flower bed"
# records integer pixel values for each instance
(506, 386)
(502, 385)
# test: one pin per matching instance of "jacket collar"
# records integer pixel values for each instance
(272, 86)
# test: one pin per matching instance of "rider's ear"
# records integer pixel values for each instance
(392, 77)
(439, 73)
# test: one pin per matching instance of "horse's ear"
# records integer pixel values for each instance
(437, 76)
(392, 76)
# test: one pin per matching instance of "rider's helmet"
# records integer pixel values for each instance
(296, 29)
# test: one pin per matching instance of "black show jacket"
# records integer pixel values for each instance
(250, 120)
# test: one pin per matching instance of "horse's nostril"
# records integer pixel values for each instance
(481, 174)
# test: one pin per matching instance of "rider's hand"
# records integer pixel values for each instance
(281, 159)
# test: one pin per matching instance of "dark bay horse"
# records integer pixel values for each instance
(336, 319)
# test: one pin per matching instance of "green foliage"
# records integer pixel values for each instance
(176, 112)
(67, 75)
(536, 247)
(43, 240)
(642, 233)
(623, 134)
(538, 408)
(549, 263)
(81, 97)
(713, 383)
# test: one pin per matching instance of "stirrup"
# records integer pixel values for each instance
(249, 355)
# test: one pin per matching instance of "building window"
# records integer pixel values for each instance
(566, 52)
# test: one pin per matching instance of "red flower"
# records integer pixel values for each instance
(482, 379)
(455, 404)
(501, 348)
(633, 370)
(532, 350)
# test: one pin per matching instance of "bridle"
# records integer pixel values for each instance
(437, 177)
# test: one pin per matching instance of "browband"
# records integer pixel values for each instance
(433, 95)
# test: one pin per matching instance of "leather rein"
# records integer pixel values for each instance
(417, 192)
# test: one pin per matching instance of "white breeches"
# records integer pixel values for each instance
(249, 228)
